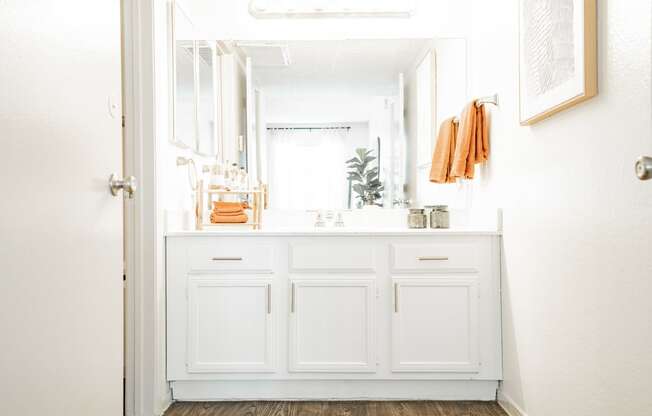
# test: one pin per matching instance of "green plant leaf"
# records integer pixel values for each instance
(355, 176)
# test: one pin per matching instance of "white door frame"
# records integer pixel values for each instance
(146, 390)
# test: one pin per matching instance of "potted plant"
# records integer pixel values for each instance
(364, 177)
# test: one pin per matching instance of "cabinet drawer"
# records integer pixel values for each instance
(231, 256)
(462, 256)
(334, 255)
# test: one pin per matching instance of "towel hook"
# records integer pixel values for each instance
(489, 99)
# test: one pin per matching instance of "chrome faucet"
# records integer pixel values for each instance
(319, 220)
(402, 203)
(339, 222)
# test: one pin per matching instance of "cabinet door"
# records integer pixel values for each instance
(332, 326)
(435, 325)
(230, 325)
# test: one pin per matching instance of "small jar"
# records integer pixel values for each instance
(440, 217)
(417, 218)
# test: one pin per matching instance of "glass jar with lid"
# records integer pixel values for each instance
(439, 216)
(417, 218)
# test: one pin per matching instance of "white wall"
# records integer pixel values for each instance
(577, 314)
(316, 106)
(173, 196)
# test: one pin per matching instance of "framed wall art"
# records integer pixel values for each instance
(557, 53)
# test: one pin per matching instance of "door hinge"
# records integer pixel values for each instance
(123, 121)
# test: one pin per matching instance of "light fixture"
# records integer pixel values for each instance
(281, 9)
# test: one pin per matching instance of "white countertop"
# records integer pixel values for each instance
(334, 232)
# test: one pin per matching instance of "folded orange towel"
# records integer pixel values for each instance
(224, 207)
(228, 219)
(227, 214)
(442, 158)
(472, 144)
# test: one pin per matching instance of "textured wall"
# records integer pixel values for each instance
(577, 223)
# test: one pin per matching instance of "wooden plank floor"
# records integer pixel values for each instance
(407, 408)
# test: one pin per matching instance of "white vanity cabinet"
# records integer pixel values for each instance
(332, 325)
(230, 325)
(435, 325)
(333, 315)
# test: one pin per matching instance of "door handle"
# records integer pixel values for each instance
(128, 185)
(644, 168)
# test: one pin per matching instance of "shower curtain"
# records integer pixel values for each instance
(306, 168)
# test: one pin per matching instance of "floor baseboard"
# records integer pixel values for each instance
(290, 390)
(509, 405)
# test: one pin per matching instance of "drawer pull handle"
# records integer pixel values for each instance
(395, 297)
(269, 299)
(432, 258)
(227, 259)
(292, 299)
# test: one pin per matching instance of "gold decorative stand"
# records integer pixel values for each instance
(259, 197)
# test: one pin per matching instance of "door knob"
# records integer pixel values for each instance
(128, 185)
(644, 168)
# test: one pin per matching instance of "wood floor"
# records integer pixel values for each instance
(407, 408)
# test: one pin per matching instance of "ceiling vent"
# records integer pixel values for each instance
(266, 54)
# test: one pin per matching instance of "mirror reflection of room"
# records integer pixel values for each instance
(325, 102)
(292, 126)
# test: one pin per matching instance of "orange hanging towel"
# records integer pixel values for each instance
(442, 158)
(472, 144)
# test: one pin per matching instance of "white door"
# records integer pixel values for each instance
(61, 235)
(332, 325)
(435, 325)
(230, 327)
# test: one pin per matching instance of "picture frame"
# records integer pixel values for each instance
(557, 56)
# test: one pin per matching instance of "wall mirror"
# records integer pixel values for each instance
(194, 83)
(207, 98)
(312, 104)
(184, 93)
(294, 113)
